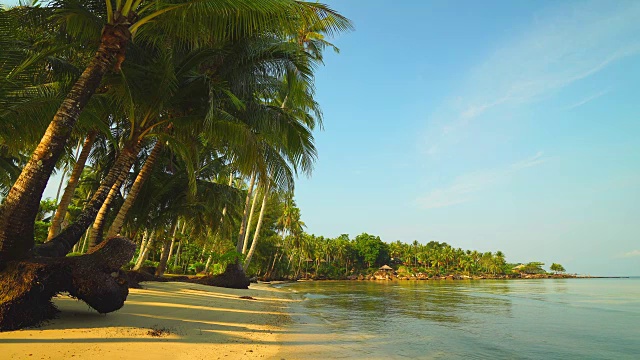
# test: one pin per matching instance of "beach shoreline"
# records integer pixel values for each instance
(171, 320)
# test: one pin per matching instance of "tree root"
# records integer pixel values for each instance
(233, 277)
(27, 286)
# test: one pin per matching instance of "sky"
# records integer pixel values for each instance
(493, 125)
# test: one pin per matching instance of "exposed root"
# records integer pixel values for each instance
(27, 286)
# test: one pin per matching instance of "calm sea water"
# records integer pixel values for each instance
(528, 319)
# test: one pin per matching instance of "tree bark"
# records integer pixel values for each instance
(248, 229)
(64, 174)
(177, 258)
(257, 233)
(164, 258)
(135, 190)
(67, 196)
(20, 207)
(182, 232)
(63, 243)
(243, 225)
(144, 252)
(27, 286)
(209, 260)
(97, 229)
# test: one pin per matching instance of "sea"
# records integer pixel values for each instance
(482, 319)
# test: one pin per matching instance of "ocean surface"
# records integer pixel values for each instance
(485, 319)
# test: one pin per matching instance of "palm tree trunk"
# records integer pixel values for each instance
(209, 260)
(182, 231)
(83, 242)
(164, 258)
(144, 253)
(243, 225)
(248, 229)
(61, 211)
(63, 242)
(135, 190)
(97, 228)
(143, 243)
(64, 174)
(224, 213)
(177, 258)
(20, 207)
(273, 265)
(257, 233)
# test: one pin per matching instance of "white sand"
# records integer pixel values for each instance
(203, 322)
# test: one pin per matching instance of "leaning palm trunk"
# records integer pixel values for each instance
(61, 211)
(64, 174)
(176, 260)
(173, 241)
(98, 224)
(243, 225)
(143, 243)
(144, 252)
(257, 233)
(64, 242)
(168, 243)
(224, 213)
(248, 230)
(135, 190)
(171, 247)
(20, 207)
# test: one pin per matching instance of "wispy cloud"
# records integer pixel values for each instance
(587, 99)
(562, 46)
(632, 253)
(536, 159)
(464, 187)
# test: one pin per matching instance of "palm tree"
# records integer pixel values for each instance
(113, 25)
(61, 211)
(258, 225)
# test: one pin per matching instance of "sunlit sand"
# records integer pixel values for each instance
(163, 321)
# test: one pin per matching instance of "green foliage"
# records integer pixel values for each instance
(47, 206)
(371, 250)
(197, 267)
(176, 270)
(41, 231)
(216, 269)
(557, 268)
(533, 268)
(150, 263)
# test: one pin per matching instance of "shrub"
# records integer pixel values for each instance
(196, 267)
(216, 269)
(176, 270)
(149, 263)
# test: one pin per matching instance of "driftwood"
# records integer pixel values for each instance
(27, 286)
(233, 277)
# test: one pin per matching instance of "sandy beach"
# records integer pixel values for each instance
(167, 321)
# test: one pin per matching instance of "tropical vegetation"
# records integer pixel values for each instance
(177, 130)
(172, 123)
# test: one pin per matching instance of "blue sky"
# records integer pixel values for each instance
(489, 125)
(493, 125)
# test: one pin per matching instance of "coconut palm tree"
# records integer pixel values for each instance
(112, 26)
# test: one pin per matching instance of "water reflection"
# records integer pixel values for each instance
(479, 319)
(440, 302)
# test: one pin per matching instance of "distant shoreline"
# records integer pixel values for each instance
(440, 278)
